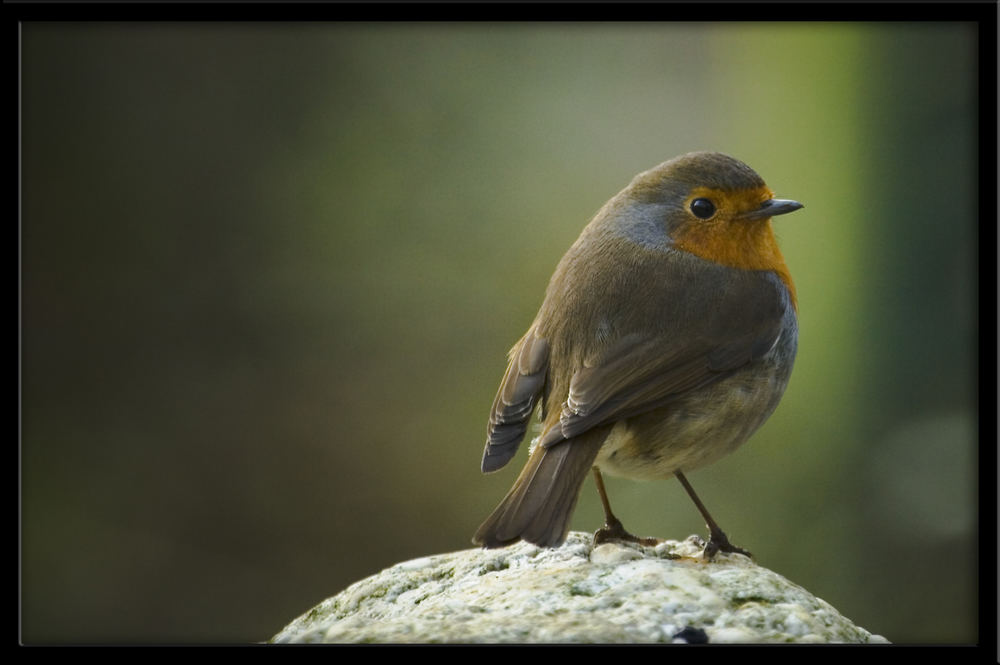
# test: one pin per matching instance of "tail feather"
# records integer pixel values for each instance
(539, 506)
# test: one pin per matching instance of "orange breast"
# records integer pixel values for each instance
(745, 244)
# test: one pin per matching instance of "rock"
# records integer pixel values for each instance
(577, 593)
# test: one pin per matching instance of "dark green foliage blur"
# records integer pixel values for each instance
(270, 274)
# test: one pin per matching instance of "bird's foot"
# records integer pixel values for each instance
(613, 530)
(718, 542)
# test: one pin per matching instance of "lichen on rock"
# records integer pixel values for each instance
(577, 593)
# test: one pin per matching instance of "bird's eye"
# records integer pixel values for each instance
(702, 208)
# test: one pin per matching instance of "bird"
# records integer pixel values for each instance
(665, 339)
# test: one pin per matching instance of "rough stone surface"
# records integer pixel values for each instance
(613, 593)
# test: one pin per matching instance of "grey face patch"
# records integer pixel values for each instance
(646, 226)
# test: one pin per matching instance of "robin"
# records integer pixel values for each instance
(666, 338)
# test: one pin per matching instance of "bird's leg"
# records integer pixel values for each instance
(717, 542)
(613, 529)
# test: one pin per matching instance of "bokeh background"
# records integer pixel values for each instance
(270, 273)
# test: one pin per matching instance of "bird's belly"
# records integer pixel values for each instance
(695, 429)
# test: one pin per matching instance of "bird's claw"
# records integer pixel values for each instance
(719, 542)
(613, 530)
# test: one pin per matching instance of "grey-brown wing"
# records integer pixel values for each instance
(640, 373)
(519, 391)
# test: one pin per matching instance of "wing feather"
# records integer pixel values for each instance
(515, 401)
(641, 373)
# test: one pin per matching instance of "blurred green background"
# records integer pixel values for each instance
(270, 273)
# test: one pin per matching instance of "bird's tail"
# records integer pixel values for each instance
(539, 505)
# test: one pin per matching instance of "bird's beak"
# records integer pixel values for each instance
(772, 207)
